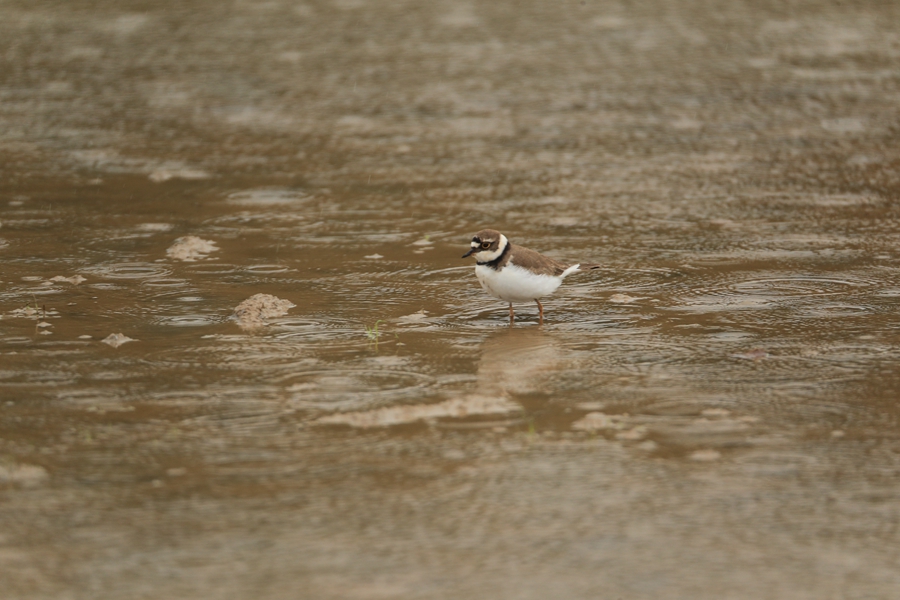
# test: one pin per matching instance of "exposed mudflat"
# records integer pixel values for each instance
(712, 415)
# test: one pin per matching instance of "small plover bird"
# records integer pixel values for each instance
(516, 274)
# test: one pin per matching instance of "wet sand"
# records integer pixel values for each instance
(713, 414)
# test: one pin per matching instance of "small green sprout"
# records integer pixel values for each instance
(372, 332)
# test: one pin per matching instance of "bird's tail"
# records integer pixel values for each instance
(578, 267)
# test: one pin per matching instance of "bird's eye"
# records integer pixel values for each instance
(485, 245)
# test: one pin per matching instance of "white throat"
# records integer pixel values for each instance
(486, 256)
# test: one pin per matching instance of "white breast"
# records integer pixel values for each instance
(515, 284)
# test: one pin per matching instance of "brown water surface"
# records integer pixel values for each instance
(713, 414)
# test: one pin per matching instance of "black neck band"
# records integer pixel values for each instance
(493, 263)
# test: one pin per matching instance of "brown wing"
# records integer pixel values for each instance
(538, 263)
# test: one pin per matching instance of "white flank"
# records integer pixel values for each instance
(513, 283)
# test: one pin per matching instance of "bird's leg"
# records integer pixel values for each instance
(511, 314)
(540, 312)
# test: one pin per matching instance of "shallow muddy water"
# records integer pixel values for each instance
(713, 414)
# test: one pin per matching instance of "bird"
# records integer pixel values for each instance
(513, 273)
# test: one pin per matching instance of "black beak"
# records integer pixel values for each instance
(470, 252)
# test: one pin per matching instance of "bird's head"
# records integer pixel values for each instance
(487, 245)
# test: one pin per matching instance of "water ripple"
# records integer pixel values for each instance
(267, 269)
(129, 270)
(799, 285)
(353, 389)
